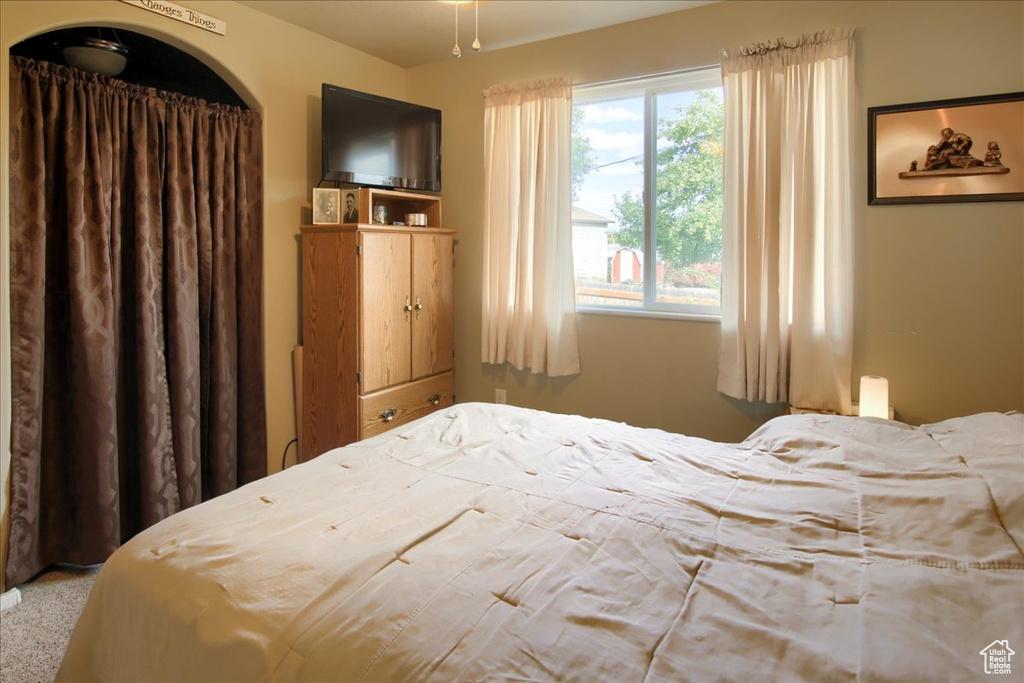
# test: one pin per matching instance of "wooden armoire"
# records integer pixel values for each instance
(377, 321)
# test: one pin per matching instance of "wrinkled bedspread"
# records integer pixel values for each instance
(492, 542)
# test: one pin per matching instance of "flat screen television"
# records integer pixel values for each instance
(379, 142)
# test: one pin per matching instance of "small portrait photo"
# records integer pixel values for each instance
(326, 206)
(351, 207)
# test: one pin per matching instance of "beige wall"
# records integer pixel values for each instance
(939, 288)
(278, 70)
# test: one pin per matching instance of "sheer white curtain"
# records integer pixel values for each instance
(787, 280)
(529, 305)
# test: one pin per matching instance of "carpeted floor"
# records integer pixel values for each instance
(33, 635)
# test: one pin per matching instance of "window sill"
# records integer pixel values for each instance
(643, 313)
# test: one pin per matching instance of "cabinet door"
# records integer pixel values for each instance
(330, 342)
(432, 331)
(385, 336)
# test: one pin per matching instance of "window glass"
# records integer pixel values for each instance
(647, 193)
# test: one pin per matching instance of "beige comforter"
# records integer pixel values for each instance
(489, 542)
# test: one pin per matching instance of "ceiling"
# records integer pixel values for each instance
(415, 32)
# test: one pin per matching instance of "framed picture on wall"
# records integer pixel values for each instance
(963, 150)
(326, 205)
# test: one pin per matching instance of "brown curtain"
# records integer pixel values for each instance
(136, 287)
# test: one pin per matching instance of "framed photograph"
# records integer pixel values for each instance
(964, 150)
(350, 206)
(326, 205)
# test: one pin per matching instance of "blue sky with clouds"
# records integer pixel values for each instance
(615, 129)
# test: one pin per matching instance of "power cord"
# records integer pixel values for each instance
(285, 454)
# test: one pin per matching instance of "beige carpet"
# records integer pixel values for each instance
(33, 635)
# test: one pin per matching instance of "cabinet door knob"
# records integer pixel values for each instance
(388, 415)
(407, 308)
(419, 306)
(435, 399)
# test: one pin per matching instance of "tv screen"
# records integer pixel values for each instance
(380, 142)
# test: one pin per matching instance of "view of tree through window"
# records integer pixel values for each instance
(681, 119)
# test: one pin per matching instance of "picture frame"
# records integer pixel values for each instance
(968, 149)
(350, 206)
(326, 206)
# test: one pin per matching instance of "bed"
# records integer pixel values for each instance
(488, 542)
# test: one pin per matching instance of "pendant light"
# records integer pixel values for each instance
(95, 54)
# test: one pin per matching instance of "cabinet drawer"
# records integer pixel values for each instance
(408, 402)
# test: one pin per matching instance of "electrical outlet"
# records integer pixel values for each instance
(499, 395)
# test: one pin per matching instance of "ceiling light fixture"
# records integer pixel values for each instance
(95, 55)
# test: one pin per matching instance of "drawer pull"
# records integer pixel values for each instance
(388, 415)
(435, 399)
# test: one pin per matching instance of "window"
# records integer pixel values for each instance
(659, 138)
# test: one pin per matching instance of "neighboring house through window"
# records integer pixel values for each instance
(657, 137)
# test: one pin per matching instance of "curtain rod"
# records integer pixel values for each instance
(806, 39)
(765, 48)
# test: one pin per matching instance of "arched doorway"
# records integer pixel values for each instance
(151, 62)
(136, 290)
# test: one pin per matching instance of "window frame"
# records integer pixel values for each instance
(649, 87)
